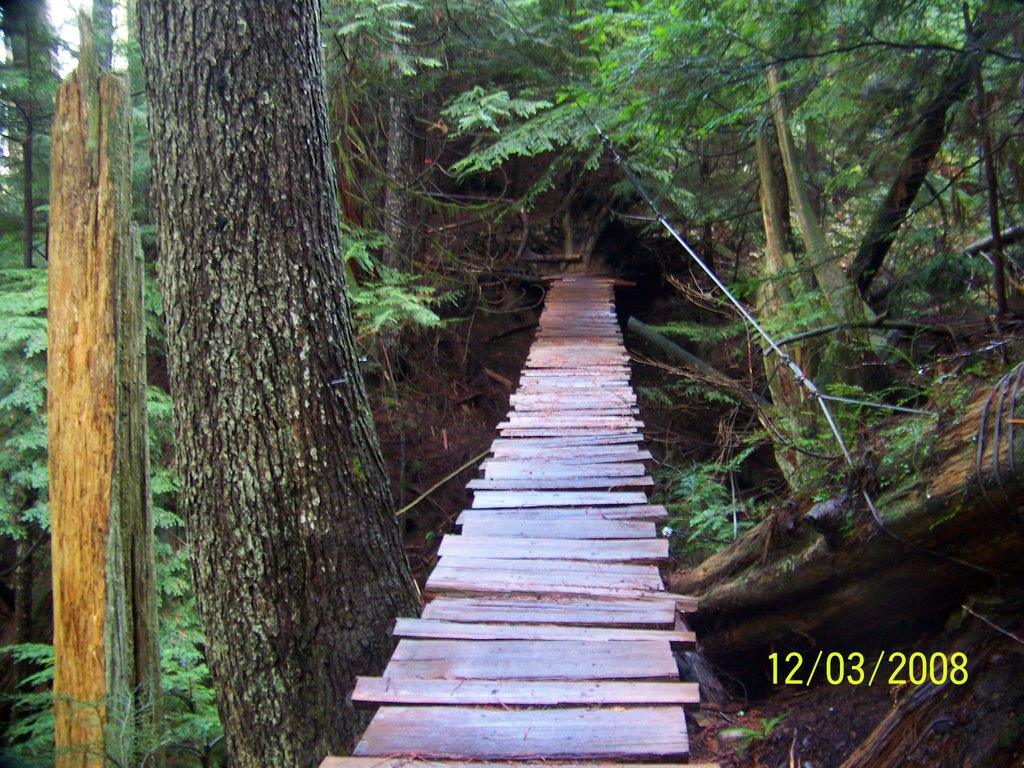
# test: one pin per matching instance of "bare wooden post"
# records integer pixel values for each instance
(105, 640)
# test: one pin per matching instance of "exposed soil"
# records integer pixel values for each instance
(819, 726)
(825, 726)
(437, 408)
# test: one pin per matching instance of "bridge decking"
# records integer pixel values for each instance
(549, 634)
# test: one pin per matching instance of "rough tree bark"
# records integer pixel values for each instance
(833, 577)
(104, 584)
(296, 554)
(399, 204)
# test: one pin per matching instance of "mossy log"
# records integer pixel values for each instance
(704, 370)
(838, 579)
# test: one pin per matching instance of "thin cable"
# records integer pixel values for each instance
(798, 373)
(881, 406)
(813, 392)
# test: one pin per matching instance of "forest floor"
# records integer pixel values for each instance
(441, 414)
(799, 726)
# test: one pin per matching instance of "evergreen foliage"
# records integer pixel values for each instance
(501, 98)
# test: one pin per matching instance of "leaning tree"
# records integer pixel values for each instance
(296, 554)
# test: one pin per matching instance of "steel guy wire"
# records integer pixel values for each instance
(813, 392)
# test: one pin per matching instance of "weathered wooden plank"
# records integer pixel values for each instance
(457, 630)
(607, 550)
(590, 454)
(519, 499)
(575, 397)
(574, 332)
(556, 567)
(569, 455)
(542, 576)
(595, 396)
(574, 358)
(613, 375)
(572, 405)
(558, 483)
(596, 434)
(560, 364)
(566, 454)
(623, 512)
(560, 529)
(584, 343)
(532, 660)
(592, 322)
(537, 468)
(579, 350)
(417, 762)
(535, 410)
(554, 609)
(605, 454)
(549, 443)
(523, 421)
(518, 693)
(576, 355)
(571, 733)
(570, 364)
(600, 385)
(454, 587)
(610, 379)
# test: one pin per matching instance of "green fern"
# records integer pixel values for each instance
(478, 109)
(559, 127)
(23, 457)
(29, 737)
(389, 299)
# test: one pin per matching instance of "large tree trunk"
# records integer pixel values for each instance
(912, 733)
(297, 557)
(104, 584)
(834, 576)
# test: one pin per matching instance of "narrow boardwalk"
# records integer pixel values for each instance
(549, 634)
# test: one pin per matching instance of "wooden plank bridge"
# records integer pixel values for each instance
(548, 635)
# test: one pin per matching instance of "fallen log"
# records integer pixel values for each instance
(837, 578)
(708, 372)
